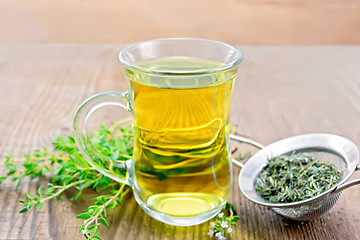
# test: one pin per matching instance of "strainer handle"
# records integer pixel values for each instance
(348, 184)
(247, 141)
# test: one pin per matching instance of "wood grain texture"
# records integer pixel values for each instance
(301, 22)
(279, 92)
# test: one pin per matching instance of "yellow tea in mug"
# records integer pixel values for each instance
(181, 149)
(179, 98)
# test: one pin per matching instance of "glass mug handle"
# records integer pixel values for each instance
(115, 169)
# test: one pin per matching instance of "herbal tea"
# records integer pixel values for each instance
(179, 98)
(181, 161)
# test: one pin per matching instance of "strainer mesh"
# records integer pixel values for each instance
(319, 205)
(309, 210)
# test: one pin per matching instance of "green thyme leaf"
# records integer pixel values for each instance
(103, 221)
(83, 215)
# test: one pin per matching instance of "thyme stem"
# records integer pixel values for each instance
(101, 209)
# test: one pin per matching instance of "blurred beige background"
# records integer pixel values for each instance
(265, 22)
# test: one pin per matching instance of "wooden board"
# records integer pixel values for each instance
(279, 92)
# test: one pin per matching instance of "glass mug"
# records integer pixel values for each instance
(179, 97)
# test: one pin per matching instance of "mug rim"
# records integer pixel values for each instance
(225, 67)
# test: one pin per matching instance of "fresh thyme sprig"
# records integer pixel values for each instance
(295, 177)
(220, 229)
(67, 169)
(96, 214)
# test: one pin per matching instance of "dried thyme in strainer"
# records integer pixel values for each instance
(295, 177)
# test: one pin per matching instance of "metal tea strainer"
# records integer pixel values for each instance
(328, 148)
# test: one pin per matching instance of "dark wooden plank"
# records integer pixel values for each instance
(280, 92)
